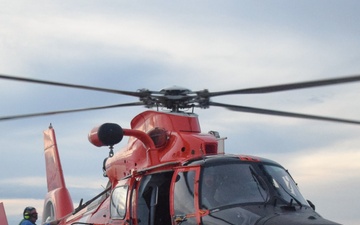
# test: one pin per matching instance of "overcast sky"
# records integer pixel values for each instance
(215, 45)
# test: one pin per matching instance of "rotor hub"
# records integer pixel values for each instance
(175, 98)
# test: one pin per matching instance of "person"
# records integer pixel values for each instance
(30, 216)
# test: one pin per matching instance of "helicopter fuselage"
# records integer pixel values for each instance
(170, 173)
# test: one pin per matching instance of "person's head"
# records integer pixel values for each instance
(30, 214)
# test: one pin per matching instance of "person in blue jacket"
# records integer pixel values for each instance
(30, 216)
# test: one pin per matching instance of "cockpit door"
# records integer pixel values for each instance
(184, 196)
(153, 207)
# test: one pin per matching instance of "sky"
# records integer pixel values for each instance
(215, 45)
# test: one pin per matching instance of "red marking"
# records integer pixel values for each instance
(249, 158)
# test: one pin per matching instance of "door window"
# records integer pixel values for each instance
(185, 196)
(118, 202)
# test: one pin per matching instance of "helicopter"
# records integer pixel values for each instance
(171, 173)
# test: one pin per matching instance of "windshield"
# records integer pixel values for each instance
(230, 184)
(284, 185)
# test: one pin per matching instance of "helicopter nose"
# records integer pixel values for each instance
(297, 219)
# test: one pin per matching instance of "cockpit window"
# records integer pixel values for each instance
(118, 202)
(230, 184)
(184, 193)
(284, 185)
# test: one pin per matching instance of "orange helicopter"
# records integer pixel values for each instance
(170, 173)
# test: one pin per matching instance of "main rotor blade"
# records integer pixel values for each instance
(68, 111)
(287, 87)
(281, 113)
(130, 93)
